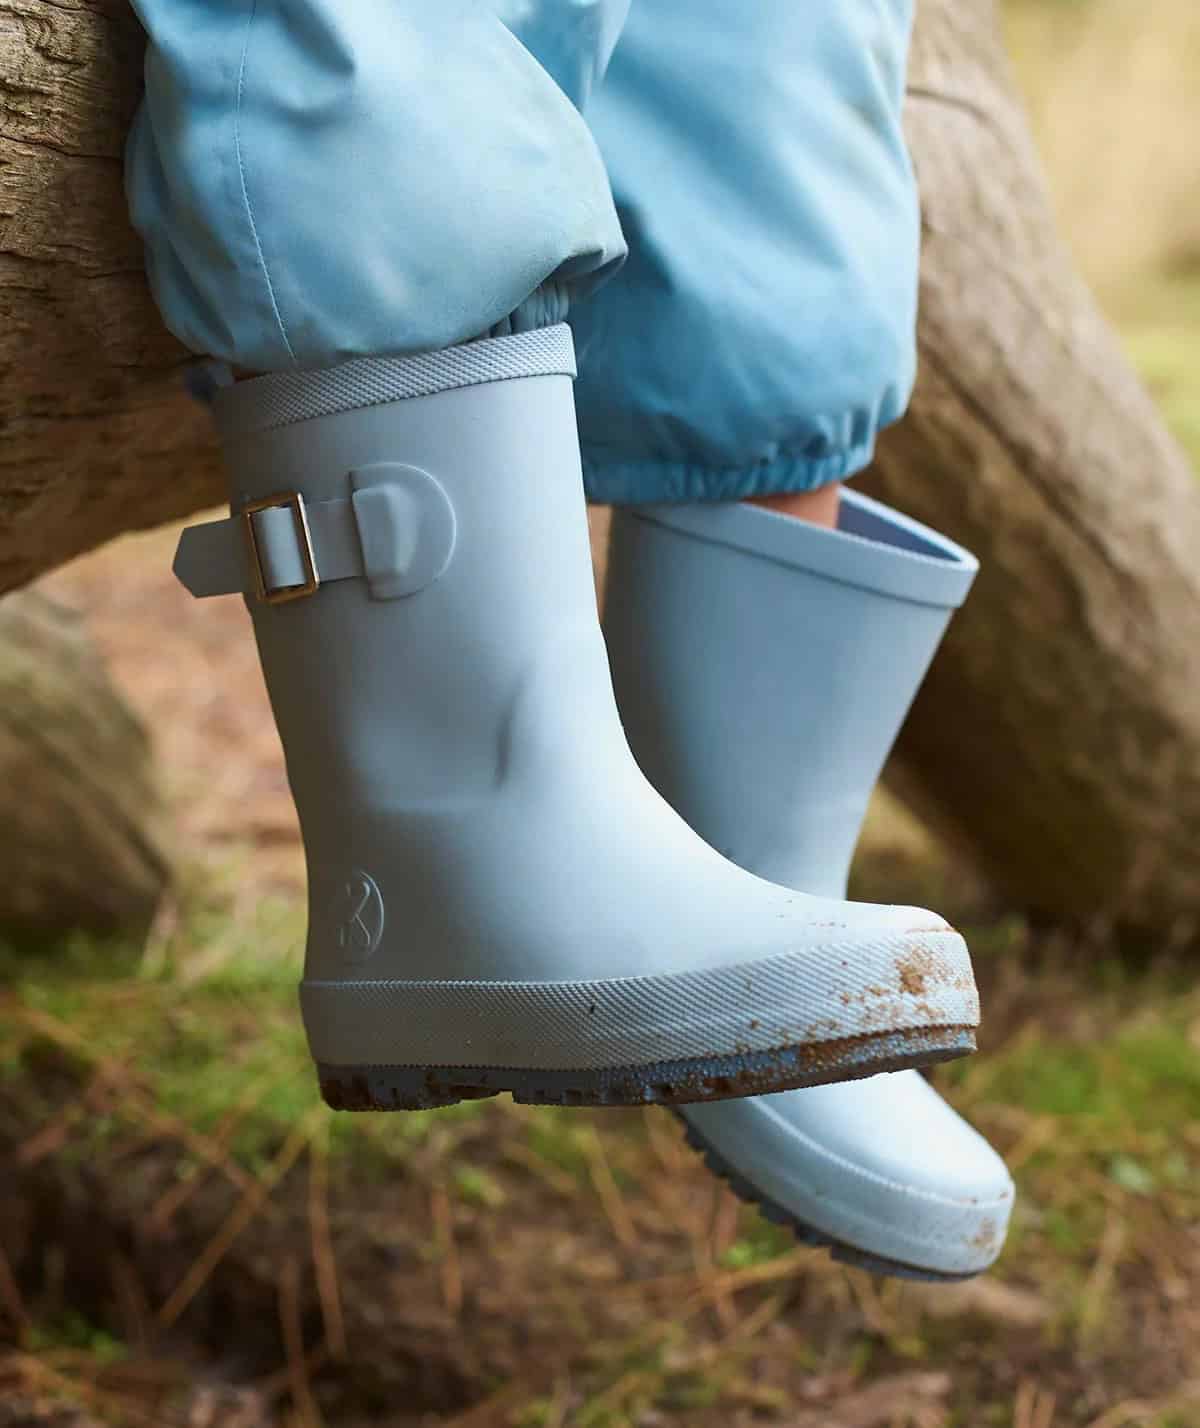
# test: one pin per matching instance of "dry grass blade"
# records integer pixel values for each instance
(607, 1189)
(667, 1143)
(700, 1239)
(1098, 1289)
(303, 1402)
(737, 1343)
(494, 1411)
(1138, 1412)
(1033, 1408)
(916, 1399)
(178, 1195)
(1041, 1132)
(54, 1134)
(243, 1213)
(1004, 1304)
(559, 1406)
(323, 1256)
(613, 1398)
(49, 1138)
(449, 1264)
(131, 1301)
(786, 1266)
(745, 1330)
(275, 1385)
(12, 1301)
(197, 1142)
(725, 1224)
(867, 1291)
(163, 930)
(38, 1373)
(551, 1175)
(1129, 1414)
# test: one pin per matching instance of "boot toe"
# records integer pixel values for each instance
(882, 1171)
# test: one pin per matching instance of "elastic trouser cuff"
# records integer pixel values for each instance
(635, 483)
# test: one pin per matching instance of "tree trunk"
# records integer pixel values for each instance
(1060, 732)
(98, 437)
(83, 842)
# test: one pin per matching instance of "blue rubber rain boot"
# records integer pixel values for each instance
(498, 900)
(763, 667)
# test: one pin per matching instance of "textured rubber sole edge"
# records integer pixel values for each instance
(841, 1250)
(682, 1082)
(871, 986)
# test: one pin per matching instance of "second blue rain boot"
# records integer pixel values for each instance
(763, 667)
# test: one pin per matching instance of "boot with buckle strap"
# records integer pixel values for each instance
(763, 667)
(498, 899)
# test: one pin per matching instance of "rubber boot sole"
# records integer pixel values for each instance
(667, 1083)
(840, 1250)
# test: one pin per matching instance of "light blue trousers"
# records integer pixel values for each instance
(715, 193)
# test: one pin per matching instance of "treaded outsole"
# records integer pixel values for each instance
(806, 1234)
(417, 1088)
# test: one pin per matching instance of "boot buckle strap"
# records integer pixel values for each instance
(397, 532)
(280, 595)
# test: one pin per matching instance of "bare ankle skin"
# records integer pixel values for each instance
(820, 507)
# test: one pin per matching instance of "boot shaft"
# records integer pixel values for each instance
(405, 699)
(764, 666)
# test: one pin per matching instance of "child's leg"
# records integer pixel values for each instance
(759, 336)
(762, 330)
(317, 180)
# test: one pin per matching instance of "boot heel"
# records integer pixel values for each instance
(398, 1088)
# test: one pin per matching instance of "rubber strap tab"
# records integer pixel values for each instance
(397, 530)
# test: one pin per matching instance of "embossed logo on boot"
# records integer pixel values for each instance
(358, 916)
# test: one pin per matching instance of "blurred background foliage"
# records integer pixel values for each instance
(1113, 89)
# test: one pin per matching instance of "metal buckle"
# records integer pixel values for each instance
(294, 501)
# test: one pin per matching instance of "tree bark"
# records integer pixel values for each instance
(1058, 735)
(83, 840)
(98, 436)
(1059, 732)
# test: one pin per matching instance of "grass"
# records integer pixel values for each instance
(635, 1289)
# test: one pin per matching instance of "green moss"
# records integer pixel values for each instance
(556, 1135)
(72, 1330)
(691, 1392)
(759, 1242)
(536, 1414)
(1142, 1079)
(477, 1187)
